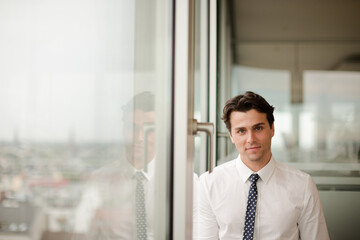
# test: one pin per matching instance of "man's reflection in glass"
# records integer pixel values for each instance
(137, 126)
(118, 200)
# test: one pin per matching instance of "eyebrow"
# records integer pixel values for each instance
(259, 124)
(255, 125)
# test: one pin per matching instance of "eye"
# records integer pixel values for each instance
(258, 128)
(241, 131)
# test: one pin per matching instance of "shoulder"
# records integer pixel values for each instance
(293, 177)
(220, 175)
(288, 170)
(220, 170)
(111, 171)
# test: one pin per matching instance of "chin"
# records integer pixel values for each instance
(254, 158)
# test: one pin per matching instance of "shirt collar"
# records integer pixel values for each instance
(264, 173)
(149, 174)
(244, 171)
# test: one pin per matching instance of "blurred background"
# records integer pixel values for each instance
(304, 58)
(68, 67)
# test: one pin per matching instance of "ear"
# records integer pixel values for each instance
(232, 140)
(273, 130)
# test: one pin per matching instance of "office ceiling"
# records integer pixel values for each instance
(294, 28)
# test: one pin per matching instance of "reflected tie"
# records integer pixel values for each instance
(251, 209)
(140, 207)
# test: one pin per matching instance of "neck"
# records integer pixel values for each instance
(138, 163)
(256, 166)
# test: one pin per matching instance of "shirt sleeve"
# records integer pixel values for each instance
(86, 209)
(207, 223)
(312, 224)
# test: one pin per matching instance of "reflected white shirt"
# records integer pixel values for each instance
(109, 199)
(288, 205)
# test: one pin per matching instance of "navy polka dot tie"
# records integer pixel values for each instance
(140, 210)
(251, 209)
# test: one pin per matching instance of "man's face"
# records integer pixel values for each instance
(135, 137)
(251, 134)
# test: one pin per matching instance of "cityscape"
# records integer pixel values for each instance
(41, 185)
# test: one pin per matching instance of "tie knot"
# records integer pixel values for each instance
(139, 176)
(254, 177)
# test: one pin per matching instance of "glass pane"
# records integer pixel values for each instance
(79, 95)
(200, 85)
(200, 99)
(331, 119)
(320, 135)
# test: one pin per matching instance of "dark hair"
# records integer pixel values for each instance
(245, 102)
(144, 101)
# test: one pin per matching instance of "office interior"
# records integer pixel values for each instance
(68, 68)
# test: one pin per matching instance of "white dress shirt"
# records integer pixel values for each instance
(288, 205)
(107, 207)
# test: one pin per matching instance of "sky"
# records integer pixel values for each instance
(66, 68)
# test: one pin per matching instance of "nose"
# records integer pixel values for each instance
(140, 135)
(137, 134)
(250, 137)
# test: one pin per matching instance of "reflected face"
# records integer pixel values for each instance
(135, 137)
(251, 134)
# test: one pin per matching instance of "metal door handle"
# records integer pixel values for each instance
(208, 128)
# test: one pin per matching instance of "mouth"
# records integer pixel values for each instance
(138, 145)
(252, 148)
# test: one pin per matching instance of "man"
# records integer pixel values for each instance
(254, 196)
(117, 202)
